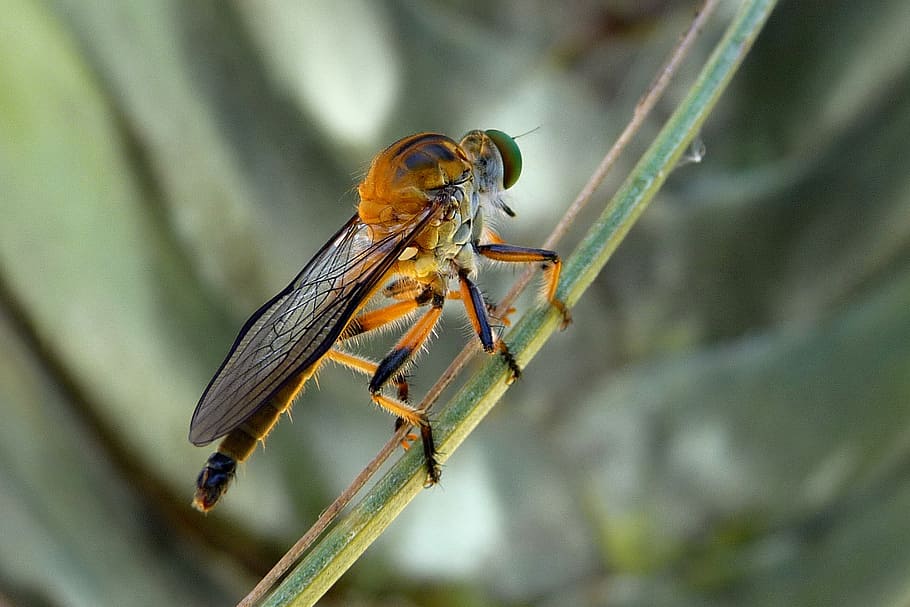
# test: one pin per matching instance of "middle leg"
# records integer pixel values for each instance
(393, 363)
(477, 311)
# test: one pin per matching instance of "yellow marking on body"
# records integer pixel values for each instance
(408, 253)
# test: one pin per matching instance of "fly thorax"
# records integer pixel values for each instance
(453, 235)
(445, 238)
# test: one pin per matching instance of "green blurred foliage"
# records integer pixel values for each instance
(726, 421)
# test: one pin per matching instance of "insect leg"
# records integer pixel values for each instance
(418, 295)
(411, 295)
(409, 343)
(401, 410)
(513, 253)
(392, 364)
(476, 308)
(352, 361)
(374, 319)
(415, 418)
(368, 367)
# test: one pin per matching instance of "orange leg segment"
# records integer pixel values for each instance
(352, 361)
(380, 316)
(367, 367)
(515, 254)
(397, 407)
(418, 419)
(409, 343)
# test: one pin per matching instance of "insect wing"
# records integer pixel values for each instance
(295, 329)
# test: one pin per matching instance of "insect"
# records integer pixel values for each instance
(419, 228)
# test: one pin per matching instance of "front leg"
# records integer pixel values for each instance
(511, 253)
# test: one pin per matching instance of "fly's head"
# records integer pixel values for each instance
(496, 166)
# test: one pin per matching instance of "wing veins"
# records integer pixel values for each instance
(341, 276)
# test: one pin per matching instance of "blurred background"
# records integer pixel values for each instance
(726, 422)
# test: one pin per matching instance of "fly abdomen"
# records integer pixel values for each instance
(238, 445)
(219, 469)
(213, 481)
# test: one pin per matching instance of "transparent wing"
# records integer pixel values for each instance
(295, 329)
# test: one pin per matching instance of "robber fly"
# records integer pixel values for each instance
(418, 228)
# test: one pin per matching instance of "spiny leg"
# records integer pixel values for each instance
(476, 308)
(413, 295)
(391, 366)
(368, 367)
(389, 369)
(514, 254)
(407, 287)
(374, 319)
(418, 419)
(409, 344)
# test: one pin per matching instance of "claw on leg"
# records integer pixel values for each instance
(510, 361)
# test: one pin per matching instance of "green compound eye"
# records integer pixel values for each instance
(511, 157)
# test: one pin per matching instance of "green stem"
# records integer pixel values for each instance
(347, 540)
